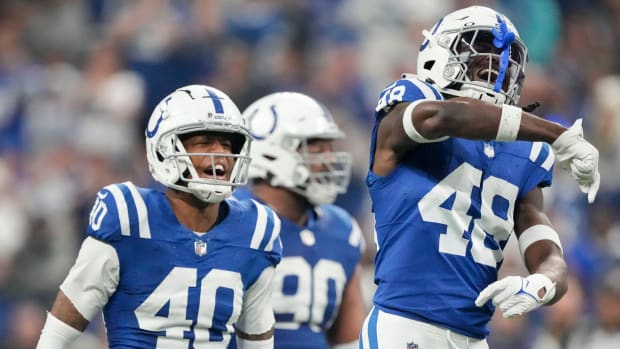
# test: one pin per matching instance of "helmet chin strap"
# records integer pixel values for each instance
(475, 94)
(208, 192)
(320, 194)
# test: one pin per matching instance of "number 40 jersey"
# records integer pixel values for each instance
(443, 217)
(162, 285)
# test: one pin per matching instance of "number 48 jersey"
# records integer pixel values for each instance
(165, 286)
(443, 217)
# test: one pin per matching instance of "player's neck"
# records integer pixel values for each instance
(194, 214)
(286, 203)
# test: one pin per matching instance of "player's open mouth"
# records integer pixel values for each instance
(487, 74)
(218, 171)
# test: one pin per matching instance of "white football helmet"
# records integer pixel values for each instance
(475, 35)
(282, 123)
(190, 109)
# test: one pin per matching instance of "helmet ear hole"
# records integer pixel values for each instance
(237, 141)
(429, 65)
(300, 175)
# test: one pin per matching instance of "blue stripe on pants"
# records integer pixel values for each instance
(372, 329)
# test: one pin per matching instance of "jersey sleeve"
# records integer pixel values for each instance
(407, 89)
(356, 238)
(257, 314)
(347, 241)
(266, 234)
(351, 227)
(93, 278)
(542, 160)
(119, 210)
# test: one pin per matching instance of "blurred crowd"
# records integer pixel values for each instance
(79, 78)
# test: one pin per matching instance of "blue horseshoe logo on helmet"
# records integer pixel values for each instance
(152, 133)
(273, 126)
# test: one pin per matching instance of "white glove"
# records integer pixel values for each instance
(516, 295)
(580, 157)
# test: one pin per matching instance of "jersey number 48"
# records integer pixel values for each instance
(459, 184)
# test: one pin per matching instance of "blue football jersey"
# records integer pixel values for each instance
(177, 288)
(443, 217)
(318, 260)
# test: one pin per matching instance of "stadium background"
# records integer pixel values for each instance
(78, 80)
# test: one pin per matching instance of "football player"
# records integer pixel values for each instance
(184, 268)
(317, 297)
(455, 167)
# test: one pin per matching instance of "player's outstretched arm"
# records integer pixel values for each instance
(542, 253)
(345, 330)
(424, 121)
(472, 119)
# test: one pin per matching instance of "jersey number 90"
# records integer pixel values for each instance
(311, 300)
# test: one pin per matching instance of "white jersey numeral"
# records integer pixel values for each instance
(391, 94)
(98, 212)
(459, 184)
(309, 301)
(174, 291)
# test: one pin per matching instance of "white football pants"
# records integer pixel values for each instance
(382, 330)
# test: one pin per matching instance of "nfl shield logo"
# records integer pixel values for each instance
(200, 247)
(412, 345)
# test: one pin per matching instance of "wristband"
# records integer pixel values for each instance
(509, 123)
(260, 344)
(409, 128)
(56, 334)
(350, 345)
(536, 233)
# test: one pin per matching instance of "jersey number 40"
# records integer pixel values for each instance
(174, 291)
